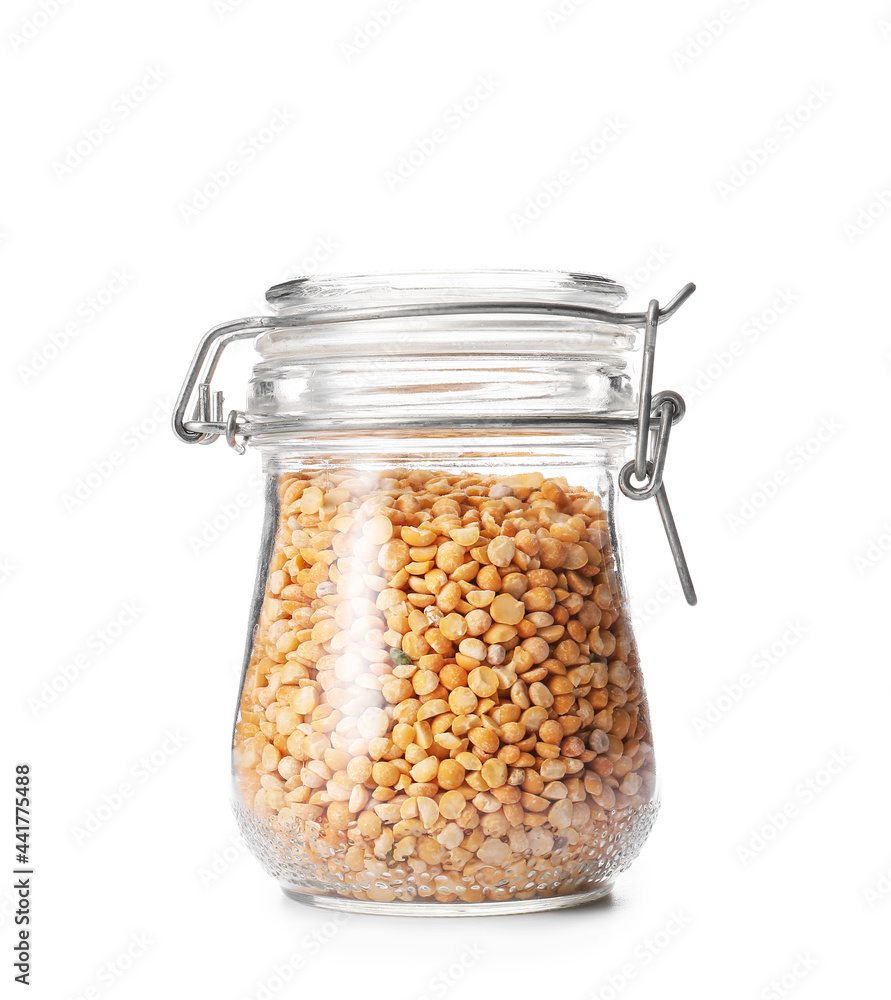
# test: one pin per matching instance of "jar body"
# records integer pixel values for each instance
(442, 709)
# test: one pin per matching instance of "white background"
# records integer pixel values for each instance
(661, 163)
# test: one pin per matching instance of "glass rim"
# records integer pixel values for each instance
(344, 293)
(426, 313)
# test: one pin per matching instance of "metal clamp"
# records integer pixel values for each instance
(668, 407)
(208, 422)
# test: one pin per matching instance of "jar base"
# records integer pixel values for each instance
(431, 908)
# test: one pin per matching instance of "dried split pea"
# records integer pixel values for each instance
(507, 609)
(483, 681)
(443, 692)
(378, 530)
(450, 774)
(451, 805)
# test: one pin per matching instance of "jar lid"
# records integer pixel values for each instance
(381, 316)
(441, 349)
(314, 294)
(416, 349)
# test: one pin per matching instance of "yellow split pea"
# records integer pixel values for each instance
(442, 682)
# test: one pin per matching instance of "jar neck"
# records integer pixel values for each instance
(485, 450)
(357, 393)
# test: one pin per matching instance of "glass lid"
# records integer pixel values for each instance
(312, 294)
(436, 313)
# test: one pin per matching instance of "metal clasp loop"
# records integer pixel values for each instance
(208, 423)
(234, 424)
(669, 407)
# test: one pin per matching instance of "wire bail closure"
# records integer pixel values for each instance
(668, 407)
(208, 422)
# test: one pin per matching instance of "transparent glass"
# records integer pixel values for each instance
(442, 710)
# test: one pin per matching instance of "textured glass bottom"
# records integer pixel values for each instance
(537, 904)
(310, 866)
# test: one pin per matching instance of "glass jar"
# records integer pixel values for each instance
(442, 709)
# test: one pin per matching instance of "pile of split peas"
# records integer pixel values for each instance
(443, 690)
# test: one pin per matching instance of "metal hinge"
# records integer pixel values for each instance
(668, 407)
(208, 423)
